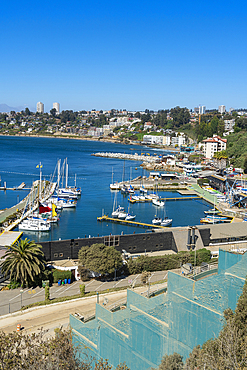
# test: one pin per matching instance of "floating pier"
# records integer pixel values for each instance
(130, 223)
(165, 199)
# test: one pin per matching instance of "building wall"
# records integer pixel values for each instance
(132, 243)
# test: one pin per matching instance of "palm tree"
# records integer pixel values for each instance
(24, 261)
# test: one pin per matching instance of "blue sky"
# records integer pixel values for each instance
(123, 54)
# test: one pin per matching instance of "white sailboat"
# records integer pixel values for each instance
(67, 191)
(156, 220)
(158, 203)
(33, 223)
(166, 220)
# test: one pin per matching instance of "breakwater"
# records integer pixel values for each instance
(130, 157)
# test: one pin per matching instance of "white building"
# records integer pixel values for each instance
(229, 124)
(178, 140)
(222, 109)
(152, 139)
(212, 145)
(202, 109)
(40, 107)
(57, 107)
(166, 140)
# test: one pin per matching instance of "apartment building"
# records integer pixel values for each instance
(40, 107)
(212, 145)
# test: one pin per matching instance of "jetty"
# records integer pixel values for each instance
(29, 204)
(165, 199)
(132, 157)
(129, 223)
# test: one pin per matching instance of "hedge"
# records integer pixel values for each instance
(61, 275)
(167, 262)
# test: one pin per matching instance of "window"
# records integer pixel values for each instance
(55, 254)
(60, 254)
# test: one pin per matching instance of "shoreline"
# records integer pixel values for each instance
(104, 140)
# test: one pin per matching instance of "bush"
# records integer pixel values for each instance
(84, 273)
(82, 289)
(47, 293)
(61, 275)
(167, 262)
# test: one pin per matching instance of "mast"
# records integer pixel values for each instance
(58, 172)
(66, 175)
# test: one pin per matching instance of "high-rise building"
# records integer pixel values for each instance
(40, 107)
(57, 107)
(202, 109)
(221, 109)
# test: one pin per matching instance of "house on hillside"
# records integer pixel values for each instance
(212, 145)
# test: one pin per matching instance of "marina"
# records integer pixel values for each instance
(93, 176)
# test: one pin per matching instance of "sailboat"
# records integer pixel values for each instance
(116, 210)
(68, 191)
(33, 223)
(166, 220)
(130, 217)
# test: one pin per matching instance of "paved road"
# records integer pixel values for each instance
(13, 300)
(54, 316)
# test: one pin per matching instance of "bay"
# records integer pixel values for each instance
(21, 155)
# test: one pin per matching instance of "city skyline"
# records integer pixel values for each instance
(123, 55)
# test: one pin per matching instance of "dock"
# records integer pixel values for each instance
(129, 223)
(165, 199)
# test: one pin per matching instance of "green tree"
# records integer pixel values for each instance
(245, 165)
(24, 261)
(172, 362)
(27, 112)
(100, 258)
(53, 112)
(221, 127)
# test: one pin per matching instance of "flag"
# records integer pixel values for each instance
(39, 166)
(43, 208)
(54, 213)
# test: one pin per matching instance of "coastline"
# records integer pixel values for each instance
(104, 140)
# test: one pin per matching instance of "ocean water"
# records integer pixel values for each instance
(21, 155)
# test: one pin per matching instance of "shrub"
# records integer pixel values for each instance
(47, 293)
(167, 262)
(61, 275)
(84, 273)
(82, 289)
